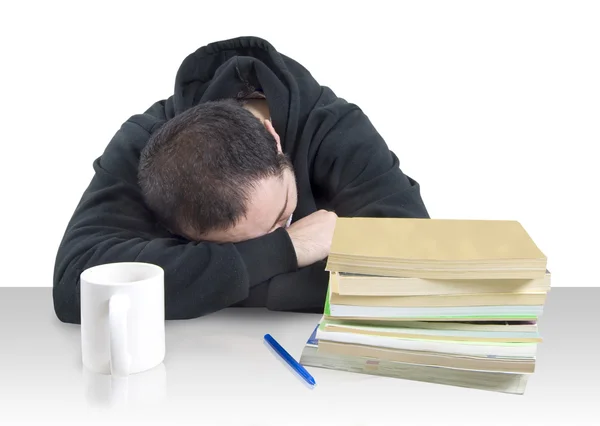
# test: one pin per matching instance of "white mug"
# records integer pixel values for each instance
(122, 318)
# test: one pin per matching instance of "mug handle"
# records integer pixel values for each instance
(120, 359)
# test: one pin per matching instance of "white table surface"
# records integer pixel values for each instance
(219, 371)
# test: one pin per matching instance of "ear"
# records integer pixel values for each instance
(271, 130)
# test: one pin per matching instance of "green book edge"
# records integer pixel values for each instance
(327, 310)
(471, 317)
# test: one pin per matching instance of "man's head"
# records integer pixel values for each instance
(216, 172)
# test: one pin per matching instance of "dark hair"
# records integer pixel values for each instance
(198, 168)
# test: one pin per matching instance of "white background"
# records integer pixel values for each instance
(493, 106)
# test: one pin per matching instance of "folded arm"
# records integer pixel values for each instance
(112, 224)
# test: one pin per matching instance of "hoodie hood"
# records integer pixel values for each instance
(237, 67)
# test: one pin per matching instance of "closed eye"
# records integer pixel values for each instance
(281, 218)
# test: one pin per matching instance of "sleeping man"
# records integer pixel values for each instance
(233, 185)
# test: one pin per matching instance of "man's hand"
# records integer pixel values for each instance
(312, 237)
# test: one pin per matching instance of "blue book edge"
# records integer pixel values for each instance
(312, 340)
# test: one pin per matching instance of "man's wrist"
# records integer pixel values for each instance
(269, 255)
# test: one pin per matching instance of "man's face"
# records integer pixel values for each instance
(271, 204)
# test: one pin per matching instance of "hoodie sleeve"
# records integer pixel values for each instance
(354, 171)
(112, 224)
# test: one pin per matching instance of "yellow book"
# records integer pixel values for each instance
(435, 248)
(476, 299)
(369, 285)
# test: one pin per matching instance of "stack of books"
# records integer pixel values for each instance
(453, 302)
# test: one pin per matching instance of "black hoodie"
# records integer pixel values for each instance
(341, 163)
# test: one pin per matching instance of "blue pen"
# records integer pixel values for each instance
(291, 361)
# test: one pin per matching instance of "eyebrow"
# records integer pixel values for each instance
(285, 204)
